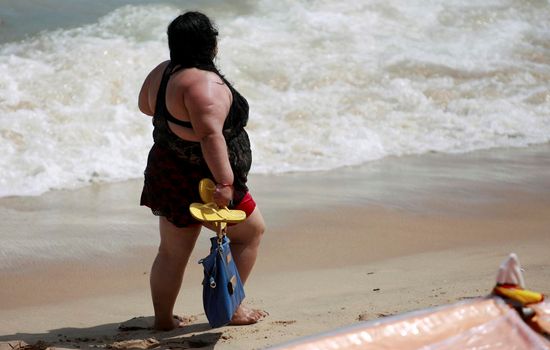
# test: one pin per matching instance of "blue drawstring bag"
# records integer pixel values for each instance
(223, 290)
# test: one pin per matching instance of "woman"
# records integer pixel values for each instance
(199, 121)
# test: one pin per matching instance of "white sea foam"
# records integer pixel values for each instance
(329, 83)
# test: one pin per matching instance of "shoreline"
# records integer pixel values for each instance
(422, 230)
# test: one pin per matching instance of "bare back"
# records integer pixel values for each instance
(190, 85)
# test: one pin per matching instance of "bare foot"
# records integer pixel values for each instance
(176, 322)
(244, 316)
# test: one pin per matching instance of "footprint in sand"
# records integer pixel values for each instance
(365, 316)
(134, 344)
(191, 342)
(283, 323)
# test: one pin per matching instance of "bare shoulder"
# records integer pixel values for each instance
(156, 73)
(205, 85)
(147, 93)
(155, 76)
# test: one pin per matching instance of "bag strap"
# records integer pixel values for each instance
(221, 231)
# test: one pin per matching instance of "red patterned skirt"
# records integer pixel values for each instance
(171, 184)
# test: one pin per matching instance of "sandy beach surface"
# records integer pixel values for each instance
(342, 247)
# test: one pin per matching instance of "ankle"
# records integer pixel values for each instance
(165, 325)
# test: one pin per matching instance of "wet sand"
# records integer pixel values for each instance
(341, 247)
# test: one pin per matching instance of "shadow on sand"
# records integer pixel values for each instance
(115, 336)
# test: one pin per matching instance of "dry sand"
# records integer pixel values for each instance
(341, 247)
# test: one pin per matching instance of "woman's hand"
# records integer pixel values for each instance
(223, 194)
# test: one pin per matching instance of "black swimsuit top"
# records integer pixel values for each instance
(176, 121)
(237, 117)
(238, 144)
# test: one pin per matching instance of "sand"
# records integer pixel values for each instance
(342, 247)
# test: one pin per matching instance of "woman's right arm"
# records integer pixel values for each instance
(208, 104)
(148, 92)
(143, 100)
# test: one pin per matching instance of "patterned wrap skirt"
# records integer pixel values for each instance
(171, 184)
(175, 166)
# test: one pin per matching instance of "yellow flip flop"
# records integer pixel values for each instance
(232, 216)
(206, 190)
(210, 212)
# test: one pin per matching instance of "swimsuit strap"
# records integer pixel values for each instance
(160, 106)
(179, 122)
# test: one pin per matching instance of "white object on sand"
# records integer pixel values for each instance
(509, 272)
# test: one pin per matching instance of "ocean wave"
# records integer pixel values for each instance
(329, 85)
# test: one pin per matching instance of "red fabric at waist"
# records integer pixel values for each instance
(247, 204)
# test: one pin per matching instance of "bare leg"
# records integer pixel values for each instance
(245, 241)
(176, 245)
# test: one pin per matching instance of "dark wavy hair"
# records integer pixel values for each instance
(192, 40)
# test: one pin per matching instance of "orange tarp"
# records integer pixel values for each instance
(484, 323)
(542, 318)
